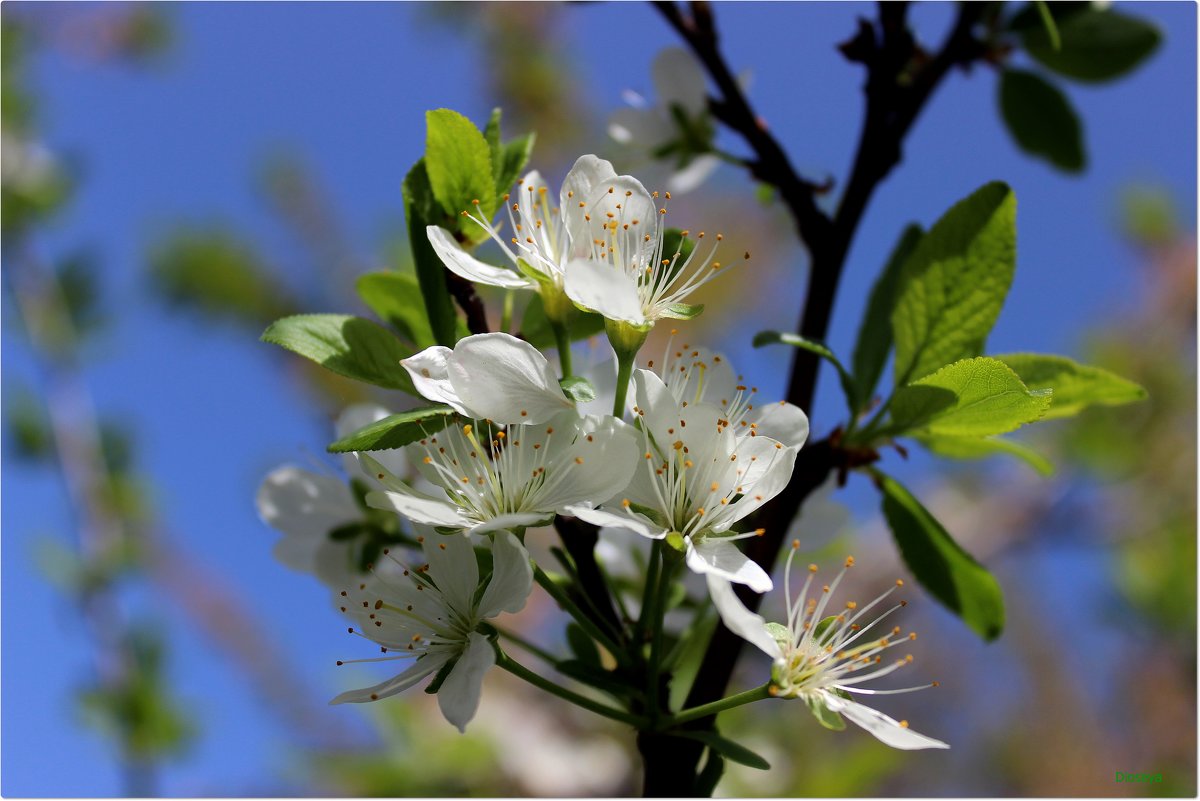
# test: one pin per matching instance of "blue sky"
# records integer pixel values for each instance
(345, 86)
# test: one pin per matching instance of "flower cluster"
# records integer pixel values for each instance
(425, 547)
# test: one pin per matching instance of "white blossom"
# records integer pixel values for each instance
(496, 477)
(432, 613)
(696, 479)
(824, 653)
(305, 507)
(489, 376)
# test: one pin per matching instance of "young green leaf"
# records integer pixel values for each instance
(1041, 119)
(941, 565)
(824, 715)
(977, 448)
(812, 346)
(1096, 44)
(420, 211)
(875, 332)
(396, 298)
(578, 389)
(395, 431)
(459, 163)
(726, 748)
(977, 397)
(683, 311)
(953, 286)
(349, 346)
(1076, 386)
(508, 159)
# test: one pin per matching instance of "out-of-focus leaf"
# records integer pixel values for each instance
(982, 448)
(396, 430)
(1076, 386)
(1096, 44)
(1041, 119)
(875, 331)
(397, 299)
(977, 397)
(536, 330)
(953, 286)
(347, 345)
(726, 748)
(941, 565)
(216, 272)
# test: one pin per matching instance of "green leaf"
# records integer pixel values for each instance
(1076, 386)
(578, 389)
(976, 448)
(971, 398)
(1048, 24)
(780, 338)
(683, 311)
(536, 330)
(508, 159)
(582, 645)
(686, 657)
(397, 299)
(459, 163)
(420, 210)
(1097, 45)
(726, 748)
(349, 346)
(1041, 119)
(941, 565)
(395, 430)
(875, 332)
(953, 286)
(824, 715)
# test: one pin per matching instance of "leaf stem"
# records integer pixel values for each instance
(526, 645)
(706, 710)
(624, 372)
(507, 313)
(504, 661)
(572, 609)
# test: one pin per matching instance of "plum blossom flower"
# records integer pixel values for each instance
(310, 510)
(697, 374)
(677, 124)
(491, 377)
(824, 655)
(432, 614)
(496, 477)
(624, 271)
(696, 480)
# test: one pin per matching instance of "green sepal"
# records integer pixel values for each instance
(824, 715)
(682, 311)
(578, 389)
(440, 677)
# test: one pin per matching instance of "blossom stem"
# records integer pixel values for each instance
(528, 646)
(507, 312)
(586, 623)
(656, 633)
(652, 566)
(624, 372)
(562, 339)
(520, 671)
(707, 710)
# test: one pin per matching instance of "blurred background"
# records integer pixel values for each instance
(175, 177)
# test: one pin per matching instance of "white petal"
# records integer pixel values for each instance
(459, 694)
(512, 577)
(587, 173)
(627, 520)
(887, 730)
(641, 127)
(740, 620)
(694, 174)
(423, 667)
(359, 416)
(679, 79)
(459, 262)
(505, 379)
(601, 460)
(719, 557)
(604, 288)
(305, 505)
(781, 421)
(768, 470)
(419, 508)
(430, 374)
(510, 521)
(453, 568)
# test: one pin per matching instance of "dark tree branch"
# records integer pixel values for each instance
(900, 80)
(463, 292)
